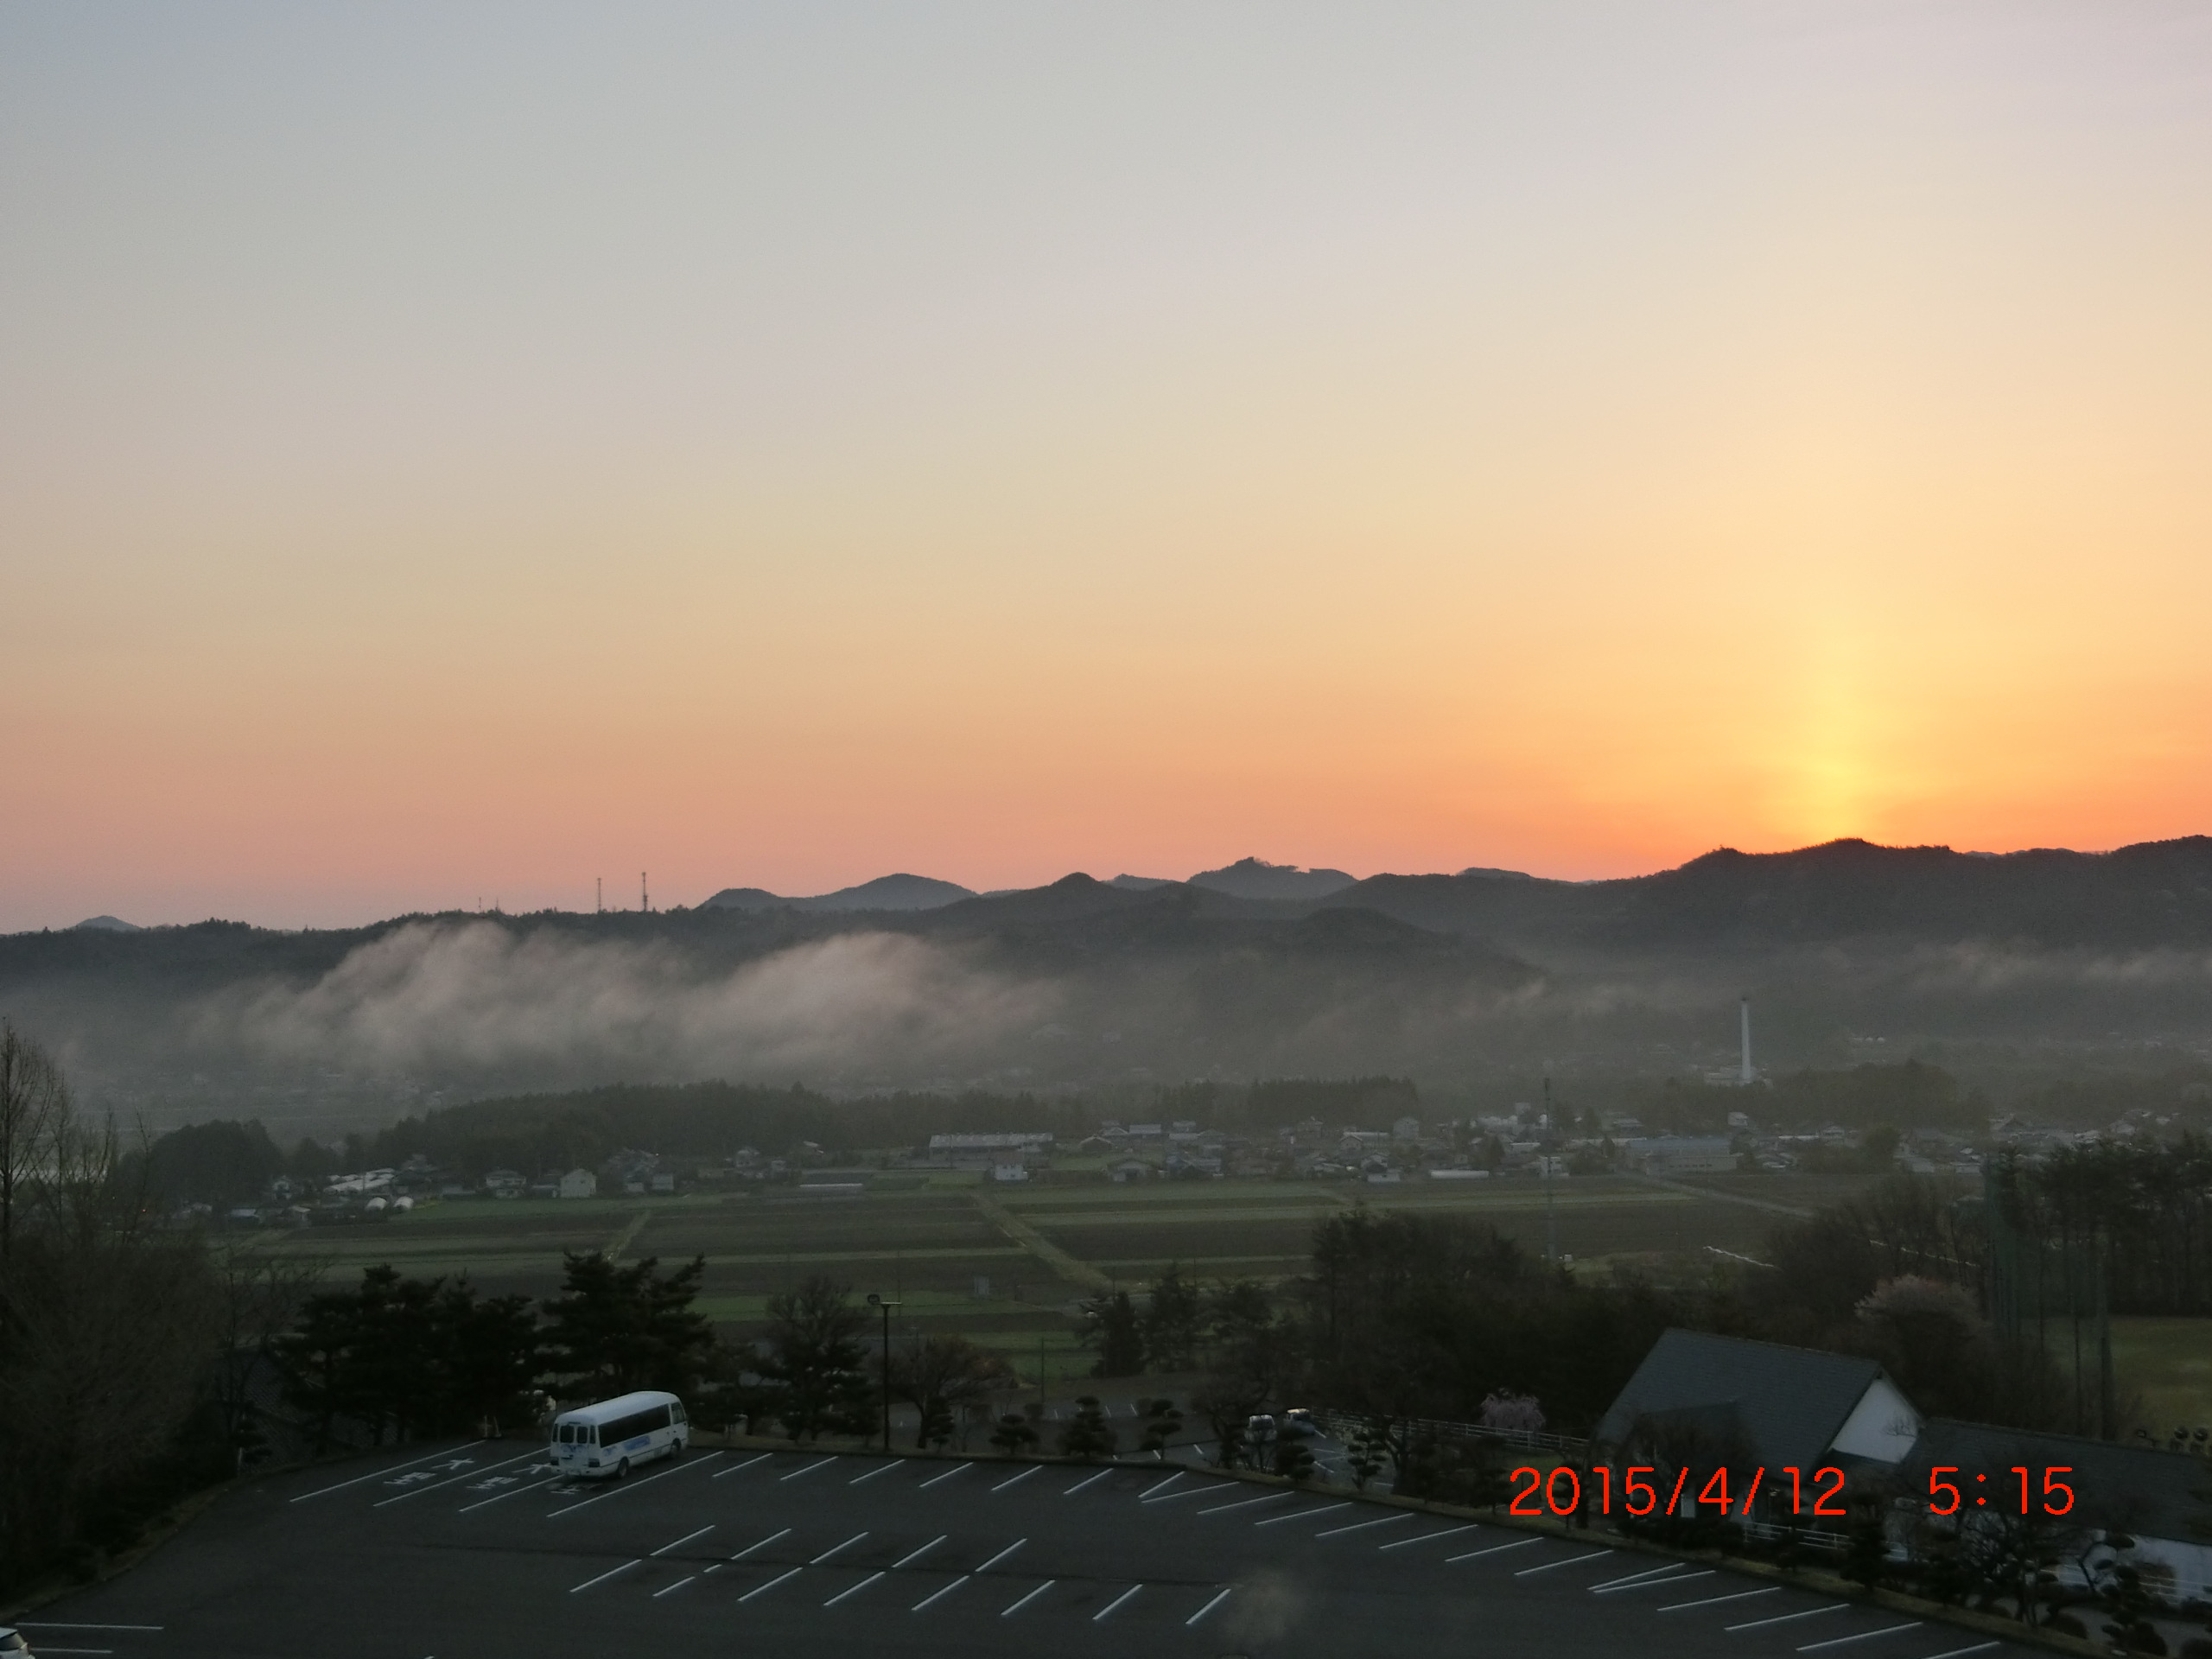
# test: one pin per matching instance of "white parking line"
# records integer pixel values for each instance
(1085, 1481)
(1863, 1636)
(605, 1576)
(1474, 1554)
(633, 1486)
(1960, 1653)
(1302, 1515)
(48, 1625)
(1016, 1480)
(1714, 1601)
(512, 1491)
(833, 1548)
(935, 1595)
(1247, 1502)
(854, 1591)
(1428, 1537)
(763, 1544)
(1667, 1582)
(906, 1560)
(387, 1469)
(1188, 1491)
(1161, 1486)
(880, 1468)
(1784, 1619)
(1361, 1526)
(685, 1540)
(672, 1588)
(1208, 1608)
(1116, 1602)
(762, 1589)
(1002, 1555)
(947, 1475)
(1010, 1611)
(417, 1491)
(1637, 1578)
(735, 1467)
(1563, 1560)
(807, 1469)
(82, 1650)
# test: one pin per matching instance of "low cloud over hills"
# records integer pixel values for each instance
(1267, 970)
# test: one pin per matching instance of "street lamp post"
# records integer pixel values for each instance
(876, 1301)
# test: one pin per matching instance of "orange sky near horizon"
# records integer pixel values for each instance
(444, 460)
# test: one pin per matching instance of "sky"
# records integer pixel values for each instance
(451, 455)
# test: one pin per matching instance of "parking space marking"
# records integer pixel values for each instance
(84, 1651)
(1208, 1608)
(1863, 1636)
(1016, 1480)
(417, 1491)
(605, 1576)
(48, 1625)
(736, 1467)
(947, 1475)
(1247, 1502)
(1563, 1560)
(1714, 1601)
(512, 1491)
(763, 1589)
(1145, 1496)
(763, 1544)
(1426, 1538)
(1495, 1549)
(1361, 1526)
(1002, 1555)
(672, 1588)
(685, 1540)
(1010, 1611)
(1086, 1481)
(1188, 1491)
(937, 1595)
(907, 1561)
(1667, 1582)
(1960, 1653)
(807, 1469)
(833, 1548)
(1116, 1602)
(880, 1468)
(378, 1474)
(1637, 1578)
(1302, 1515)
(1784, 1619)
(633, 1486)
(852, 1591)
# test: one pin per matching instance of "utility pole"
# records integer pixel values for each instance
(598, 894)
(644, 899)
(876, 1301)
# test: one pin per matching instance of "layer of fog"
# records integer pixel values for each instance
(471, 998)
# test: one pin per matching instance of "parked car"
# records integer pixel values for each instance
(12, 1641)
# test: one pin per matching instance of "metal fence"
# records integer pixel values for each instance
(1342, 1426)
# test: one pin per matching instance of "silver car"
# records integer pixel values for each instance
(12, 1641)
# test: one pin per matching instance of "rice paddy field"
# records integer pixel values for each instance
(1004, 1264)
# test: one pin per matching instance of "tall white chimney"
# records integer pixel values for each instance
(1745, 1079)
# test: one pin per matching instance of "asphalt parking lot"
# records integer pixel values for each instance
(480, 1551)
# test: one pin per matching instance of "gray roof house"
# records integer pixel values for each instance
(1774, 1406)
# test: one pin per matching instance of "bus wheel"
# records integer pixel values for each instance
(622, 1470)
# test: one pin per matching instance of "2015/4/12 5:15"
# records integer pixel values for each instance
(2057, 1495)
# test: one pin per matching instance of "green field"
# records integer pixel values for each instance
(1040, 1246)
(2167, 1364)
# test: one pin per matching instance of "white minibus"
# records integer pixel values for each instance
(607, 1438)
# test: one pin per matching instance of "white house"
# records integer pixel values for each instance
(578, 1184)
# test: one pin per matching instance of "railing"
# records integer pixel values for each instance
(1342, 1426)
